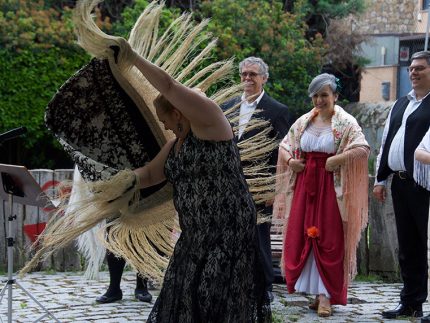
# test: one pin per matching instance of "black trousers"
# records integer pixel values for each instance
(411, 209)
(266, 250)
(116, 267)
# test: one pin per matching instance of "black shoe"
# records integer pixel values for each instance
(403, 310)
(109, 298)
(270, 296)
(142, 295)
(425, 319)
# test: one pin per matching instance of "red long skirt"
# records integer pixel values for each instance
(315, 224)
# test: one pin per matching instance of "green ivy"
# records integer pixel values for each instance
(28, 80)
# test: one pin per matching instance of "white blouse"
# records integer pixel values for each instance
(318, 139)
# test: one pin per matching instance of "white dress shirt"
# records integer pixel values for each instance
(246, 111)
(396, 154)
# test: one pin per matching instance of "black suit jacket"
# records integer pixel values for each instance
(274, 112)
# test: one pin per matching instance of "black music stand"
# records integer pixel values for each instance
(17, 185)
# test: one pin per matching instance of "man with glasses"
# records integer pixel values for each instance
(256, 103)
(407, 123)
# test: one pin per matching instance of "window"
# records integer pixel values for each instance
(426, 4)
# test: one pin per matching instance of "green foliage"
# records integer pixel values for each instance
(338, 8)
(270, 33)
(25, 24)
(263, 29)
(371, 278)
(37, 55)
(318, 14)
(29, 24)
(28, 80)
(129, 16)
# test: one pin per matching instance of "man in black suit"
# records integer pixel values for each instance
(255, 102)
(406, 125)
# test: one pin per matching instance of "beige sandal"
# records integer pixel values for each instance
(324, 310)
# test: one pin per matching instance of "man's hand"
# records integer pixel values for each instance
(379, 192)
(297, 165)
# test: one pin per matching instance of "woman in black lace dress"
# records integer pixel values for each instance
(213, 274)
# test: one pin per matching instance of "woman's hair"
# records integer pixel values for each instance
(163, 104)
(321, 80)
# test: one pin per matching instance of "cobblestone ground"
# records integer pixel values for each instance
(71, 298)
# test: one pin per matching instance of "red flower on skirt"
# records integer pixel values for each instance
(312, 232)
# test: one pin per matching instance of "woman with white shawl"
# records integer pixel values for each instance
(322, 190)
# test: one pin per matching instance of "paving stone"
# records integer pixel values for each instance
(71, 298)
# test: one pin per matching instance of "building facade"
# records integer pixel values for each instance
(396, 30)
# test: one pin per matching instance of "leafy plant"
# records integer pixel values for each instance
(262, 28)
(37, 54)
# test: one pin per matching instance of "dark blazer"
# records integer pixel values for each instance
(274, 112)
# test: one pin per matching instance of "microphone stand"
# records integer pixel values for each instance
(16, 182)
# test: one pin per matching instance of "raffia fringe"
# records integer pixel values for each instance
(136, 237)
(111, 198)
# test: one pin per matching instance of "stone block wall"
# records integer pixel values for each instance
(388, 16)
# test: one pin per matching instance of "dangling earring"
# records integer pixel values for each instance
(179, 126)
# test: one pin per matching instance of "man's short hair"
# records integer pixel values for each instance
(425, 54)
(264, 68)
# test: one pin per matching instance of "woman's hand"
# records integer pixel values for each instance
(334, 162)
(297, 165)
(122, 52)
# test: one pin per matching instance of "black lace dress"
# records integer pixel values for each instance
(213, 275)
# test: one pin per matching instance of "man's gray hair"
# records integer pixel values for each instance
(264, 68)
(423, 54)
(321, 80)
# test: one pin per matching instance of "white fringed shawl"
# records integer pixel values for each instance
(421, 170)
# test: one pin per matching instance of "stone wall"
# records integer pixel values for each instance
(388, 16)
(371, 117)
(378, 248)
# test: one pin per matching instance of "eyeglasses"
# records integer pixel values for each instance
(418, 68)
(250, 74)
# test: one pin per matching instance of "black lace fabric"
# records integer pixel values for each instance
(98, 124)
(214, 274)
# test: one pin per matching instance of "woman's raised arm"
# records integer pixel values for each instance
(202, 112)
